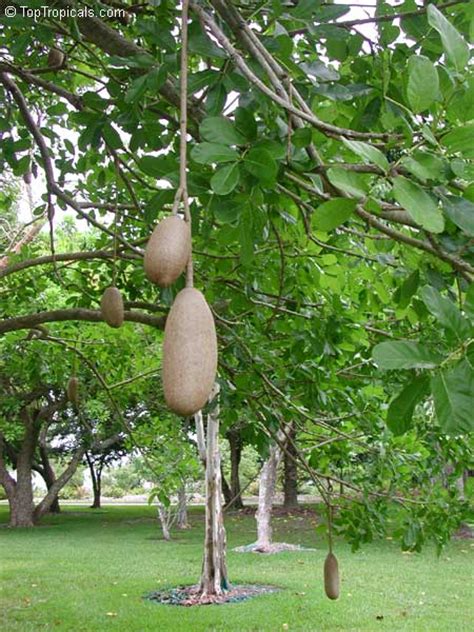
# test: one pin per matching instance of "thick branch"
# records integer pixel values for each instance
(60, 315)
(66, 256)
(59, 483)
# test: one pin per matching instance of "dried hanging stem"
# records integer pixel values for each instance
(330, 517)
(116, 210)
(182, 192)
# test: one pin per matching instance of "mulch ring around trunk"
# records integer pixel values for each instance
(190, 596)
(275, 547)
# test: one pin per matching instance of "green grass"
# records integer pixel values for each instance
(76, 569)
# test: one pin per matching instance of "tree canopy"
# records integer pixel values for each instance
(332, 203)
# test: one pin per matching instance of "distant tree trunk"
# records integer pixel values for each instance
(49, 477)
(290, 484)
(461, 485)
(266, 493)
(96, 479)
(225, 489)
(164, 517)
(235, 444)
(214, 579)
(182, 519)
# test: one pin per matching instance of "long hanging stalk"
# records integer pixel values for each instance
(182, 192)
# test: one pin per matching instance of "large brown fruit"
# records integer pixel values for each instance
(331, 576)
(55, 58)
(73, 391)
(168, 250)
(111, 306)
(189, 353)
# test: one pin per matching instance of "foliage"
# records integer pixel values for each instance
(331, 196)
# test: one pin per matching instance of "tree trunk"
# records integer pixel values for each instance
(268, 479)
(44, 506)
(164, 517)
(214, 569)
(225, 489)
(49, 477)
(235, 444)
(21, 502)
(96, 479)
(182, 520)
(290, 484)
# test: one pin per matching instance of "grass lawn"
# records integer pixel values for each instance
(88, 570)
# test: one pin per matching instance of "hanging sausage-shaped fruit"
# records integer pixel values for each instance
(189, 353)
(168, 251)
(111, 307)
(73, 391)
(331, 576)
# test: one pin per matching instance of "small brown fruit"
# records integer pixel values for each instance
(111, 306)
(189, 353)
(27, 177)
(73, 391)
(56, 58)
(331, 576)
(167, 251)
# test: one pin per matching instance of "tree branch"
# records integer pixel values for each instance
(66, 256)
(60, 315)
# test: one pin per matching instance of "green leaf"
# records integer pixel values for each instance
(369, 154)
(245, 123)
(226, 211)
(402, 407)
(111, 136)
(209, 153)
(423, 83)
(225, 179)
(347, 181)
(455, 47)
(404, 354)
(156, 78)
(246, 235)
(469, 302)
(446, 312)
(461, 212)
(157, 166)
(460, 140)
(302, 137)
(261, 164)
(217, 129)
(137, 89)
(331, 214)
(408, 288)
(424, 166)
(420, 206)
(453, 394)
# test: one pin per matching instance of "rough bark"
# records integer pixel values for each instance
(21, 500)
(182, 519)
(268, 479)
(214, 579)
(45, 505)
(290, 470)
(59, 315)
(225, 489)
(235, 445)
(96, 479)
(49, 477)
(164, 518)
